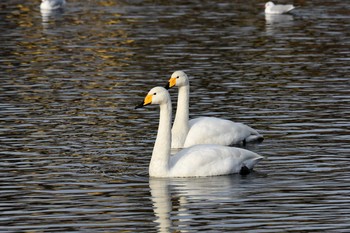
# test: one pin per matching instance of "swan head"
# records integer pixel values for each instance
(269, 4)
(157, 95)
(179, 79)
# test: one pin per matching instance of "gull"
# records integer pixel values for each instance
(271, 8)
(52, 4)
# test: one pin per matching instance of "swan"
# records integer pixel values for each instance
(52, 4)
(199, 160)
(204, 130)
(271, 8)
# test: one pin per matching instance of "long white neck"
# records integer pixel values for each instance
(180, 126)
(159, 165)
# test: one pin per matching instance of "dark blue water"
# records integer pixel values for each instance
(74, 153)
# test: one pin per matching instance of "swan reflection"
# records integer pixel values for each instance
(177, 200)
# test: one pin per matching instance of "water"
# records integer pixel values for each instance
(74, 153)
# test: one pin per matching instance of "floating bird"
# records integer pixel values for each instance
(204, 130)
(271, 8)
(199, 160)
(52, 4)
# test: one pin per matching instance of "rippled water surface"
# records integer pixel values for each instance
(74, 153)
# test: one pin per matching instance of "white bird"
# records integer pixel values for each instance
(204, 130)
(271, 8)
(52, 4)
(199, 160)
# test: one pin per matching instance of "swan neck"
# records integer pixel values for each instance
(181, 126)
(159, 165)
(182, 111)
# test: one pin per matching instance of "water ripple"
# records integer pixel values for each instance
(75, 154)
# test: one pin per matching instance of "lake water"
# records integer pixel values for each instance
(74, 153)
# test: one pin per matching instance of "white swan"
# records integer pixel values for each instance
(200, 160)
(271, 8)
(204, 130)
(52, 4)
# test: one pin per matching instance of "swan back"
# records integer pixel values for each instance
(213, 130)
(211, 160)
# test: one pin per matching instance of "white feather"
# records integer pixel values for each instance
(271, 8)
(199, 160)
(204, 130)
(52, 4)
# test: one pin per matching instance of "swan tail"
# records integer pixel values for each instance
(249, 164)
(254, 135)
(255, 138)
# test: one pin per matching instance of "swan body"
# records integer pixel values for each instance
(271, 8)
(199, 160)
(204, 130)
(212, 130)
(52, 4)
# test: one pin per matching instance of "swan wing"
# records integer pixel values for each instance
(211, 160)
(212, 130)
